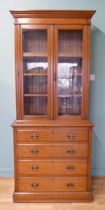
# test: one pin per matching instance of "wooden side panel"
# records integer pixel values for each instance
(89, 161)
(86, 73)
(15, 160)
(18, 67)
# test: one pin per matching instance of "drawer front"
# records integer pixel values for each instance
(51, 184)
(52, 150)
(56, 167)
(52, 135)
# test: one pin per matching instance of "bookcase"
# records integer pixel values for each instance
(52, 130)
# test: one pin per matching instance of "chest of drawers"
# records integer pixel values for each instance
(52, 163)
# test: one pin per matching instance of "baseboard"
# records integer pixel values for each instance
(96, 172)
(6, 172)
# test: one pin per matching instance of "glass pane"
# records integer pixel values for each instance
(70, 42)
(35, 41)
(69, 72)
(35, 70)
(35, 65)
(69, 105)
(35, 84)
(35, 105)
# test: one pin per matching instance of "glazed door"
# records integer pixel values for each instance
(36, 45)
(70, 71)
(52, 63)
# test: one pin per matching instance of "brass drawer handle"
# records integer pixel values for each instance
(70, 167)
(70, 184)
(35, 185)
(35, 167)
(71, 135)
(71, 152)
(34, 135)
(34, 151)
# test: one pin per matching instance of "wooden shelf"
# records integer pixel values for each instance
(41, 54)
(78, 74)
(35, 54)
(35, 74)
(35, 94)
(45, 74)
(69, 55)
(69, 95)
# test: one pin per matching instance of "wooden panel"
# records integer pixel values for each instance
(18, 73)
(53, 13)
(52, 21)
(52, 167)
(52, 150)
(55, 135)
(74, 124)
(86, 73)
(54, 197)
(89, 180)
(51, 184)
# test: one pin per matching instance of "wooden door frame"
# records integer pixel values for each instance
(85, 70)
(18, 66)
(19, 71)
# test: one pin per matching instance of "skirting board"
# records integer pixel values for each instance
(6, 172)
(10, 172)
(98, 172)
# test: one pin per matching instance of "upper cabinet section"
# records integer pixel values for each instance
(52, 51)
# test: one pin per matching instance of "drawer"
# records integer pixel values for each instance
(52, 167)
(51, 184)
(52, 150)
(52, 135)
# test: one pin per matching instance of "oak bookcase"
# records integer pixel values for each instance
(52, 130)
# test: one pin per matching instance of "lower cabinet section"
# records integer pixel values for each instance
(51, 184)
(52, 164)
